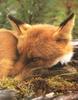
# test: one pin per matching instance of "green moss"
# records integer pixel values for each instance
(22, 88)
(58, 83)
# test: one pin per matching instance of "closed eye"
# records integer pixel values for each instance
(34, 59)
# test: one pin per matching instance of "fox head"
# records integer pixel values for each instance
(44, 45)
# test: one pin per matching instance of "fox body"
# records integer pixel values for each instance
(8, 51)
(40, 45)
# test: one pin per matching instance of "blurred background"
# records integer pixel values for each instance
(39, 11)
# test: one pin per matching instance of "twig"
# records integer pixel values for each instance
(46, 97)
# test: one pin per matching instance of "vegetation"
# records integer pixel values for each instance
(59, 83)
(38, 11)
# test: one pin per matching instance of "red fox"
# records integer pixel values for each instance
(34, 46)
(42, 45)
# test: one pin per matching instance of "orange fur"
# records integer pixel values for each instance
(8, 51)
(40, 45)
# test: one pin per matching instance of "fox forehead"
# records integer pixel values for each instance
(40, 33)
(43, 30)
(39, 40)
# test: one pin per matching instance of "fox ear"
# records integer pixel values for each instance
(19, 26)
(66, 27)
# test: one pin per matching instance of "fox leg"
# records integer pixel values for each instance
(5, 67)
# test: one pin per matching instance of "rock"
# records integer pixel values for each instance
(6, 94)
(69, 96)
